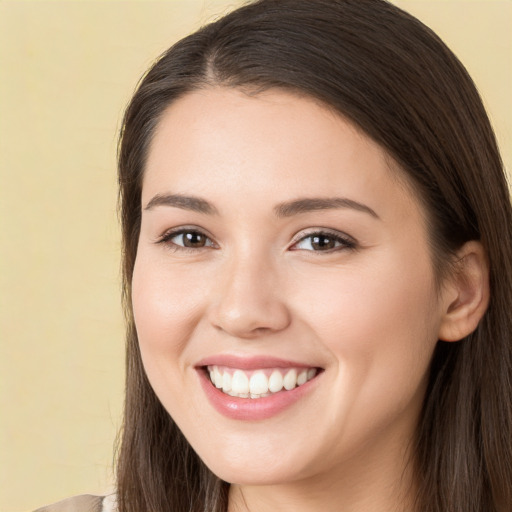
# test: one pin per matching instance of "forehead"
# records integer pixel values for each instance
(224, 142)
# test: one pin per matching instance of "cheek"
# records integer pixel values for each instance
(366, 303)
(166, 305)
(380, 326)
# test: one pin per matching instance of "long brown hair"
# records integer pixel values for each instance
(395, 79)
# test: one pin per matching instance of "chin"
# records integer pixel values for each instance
(255, 463)
(248, 474)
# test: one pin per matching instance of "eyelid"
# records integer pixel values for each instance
(171, 233)
(348, 241)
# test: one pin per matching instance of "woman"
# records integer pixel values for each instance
(317, 239)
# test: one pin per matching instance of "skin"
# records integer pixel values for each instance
(367, 313)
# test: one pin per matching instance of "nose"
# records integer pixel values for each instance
(249, 300)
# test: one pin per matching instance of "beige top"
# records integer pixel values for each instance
(84, 503)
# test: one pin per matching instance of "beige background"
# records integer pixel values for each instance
(67, 68)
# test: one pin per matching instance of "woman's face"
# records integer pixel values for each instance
(282, 252)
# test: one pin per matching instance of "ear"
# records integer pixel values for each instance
(465, 293)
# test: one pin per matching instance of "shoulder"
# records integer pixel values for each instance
(83, 503)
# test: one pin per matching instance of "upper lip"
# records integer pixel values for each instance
(251, 362)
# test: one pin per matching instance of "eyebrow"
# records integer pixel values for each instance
(286, 209)
(195, 204)
(305, 205)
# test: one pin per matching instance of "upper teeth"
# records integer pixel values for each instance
(258, 383)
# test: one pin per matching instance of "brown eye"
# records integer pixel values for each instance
(187, 239)
(324, 242)
(194, 239)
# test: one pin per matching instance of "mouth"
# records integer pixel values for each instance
(254, 388)
(258, 383)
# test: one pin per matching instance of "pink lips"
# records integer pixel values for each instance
(249, 409)
(250, 363)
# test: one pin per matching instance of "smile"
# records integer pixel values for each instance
(255, 388)
(259, 383)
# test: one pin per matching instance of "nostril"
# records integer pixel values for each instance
(250, 319)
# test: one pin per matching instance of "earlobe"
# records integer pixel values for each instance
(466, 293)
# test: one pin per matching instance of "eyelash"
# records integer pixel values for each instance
(345, 242)
(169, 235)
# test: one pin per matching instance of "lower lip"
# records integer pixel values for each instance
(253, 409)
